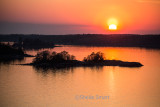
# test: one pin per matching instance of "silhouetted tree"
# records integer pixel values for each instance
(54, 57)
(9, 50)
(42, 57)
(95, 57)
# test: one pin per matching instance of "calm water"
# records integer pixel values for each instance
(26, 86)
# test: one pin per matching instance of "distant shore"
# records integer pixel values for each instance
(107, 40)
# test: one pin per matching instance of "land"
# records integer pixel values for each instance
(107, 40)
(45, 59)
(76, 63)
(35, 44)
(8, 53)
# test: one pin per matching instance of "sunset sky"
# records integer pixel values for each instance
(79, 16)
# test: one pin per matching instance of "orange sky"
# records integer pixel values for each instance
(133, 16)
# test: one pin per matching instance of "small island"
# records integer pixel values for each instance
(63, 59)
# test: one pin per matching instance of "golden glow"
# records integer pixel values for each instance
(112, 27)
(112, 23)
(125, 14)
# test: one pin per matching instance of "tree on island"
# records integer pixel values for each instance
(64, 59)
(54, 57)
(95, 57)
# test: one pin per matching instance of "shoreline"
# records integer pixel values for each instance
(76, 63)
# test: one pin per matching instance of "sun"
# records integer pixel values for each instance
(112, 27)
(112, 24)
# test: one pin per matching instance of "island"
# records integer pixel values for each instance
(45, 59)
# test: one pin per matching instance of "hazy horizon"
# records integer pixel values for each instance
(59, 29)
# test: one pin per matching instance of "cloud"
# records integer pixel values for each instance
(27, 28)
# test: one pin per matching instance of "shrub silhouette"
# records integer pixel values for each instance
(61, 57)
(47, 57)
(64, 59)
(9, 50)
(42, 57)
(95, 57)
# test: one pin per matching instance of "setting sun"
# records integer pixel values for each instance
(112, 27)
(112, 24)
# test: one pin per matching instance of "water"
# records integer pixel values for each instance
(26, 86)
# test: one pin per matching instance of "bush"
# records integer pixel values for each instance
(8, 50)
(42, 57)
(95, 57)
(47, 57)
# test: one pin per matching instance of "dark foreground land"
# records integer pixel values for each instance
(112, 40)
(63, 59)
(8, 53)
(76, 63)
